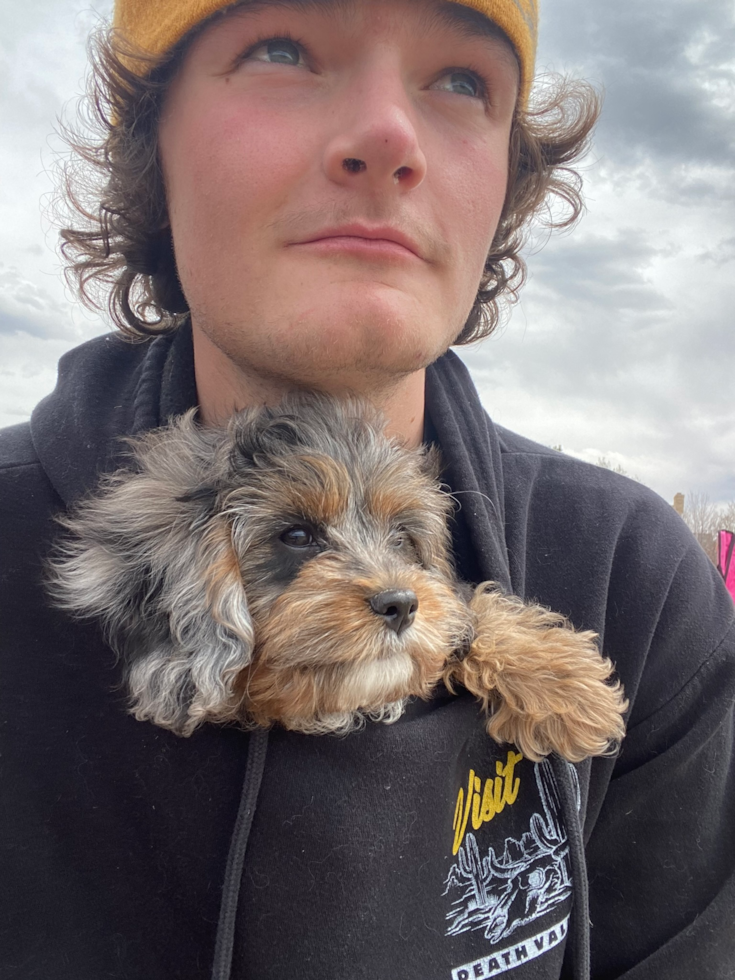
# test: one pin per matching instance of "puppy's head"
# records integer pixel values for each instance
(292, 567)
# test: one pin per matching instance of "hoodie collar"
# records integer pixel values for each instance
(473, 469)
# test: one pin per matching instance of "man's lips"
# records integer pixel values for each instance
(377, 240)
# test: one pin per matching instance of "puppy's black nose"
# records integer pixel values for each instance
(397, 607)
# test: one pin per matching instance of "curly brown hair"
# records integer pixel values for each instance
(121, 252)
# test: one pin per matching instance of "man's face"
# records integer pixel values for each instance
(335, 172)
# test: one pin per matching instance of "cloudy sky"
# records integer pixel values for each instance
(623, 344)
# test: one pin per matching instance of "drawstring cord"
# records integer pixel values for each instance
(580, 915)
(145, 404)
(225, 942)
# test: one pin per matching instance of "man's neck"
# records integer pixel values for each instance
(224, 388)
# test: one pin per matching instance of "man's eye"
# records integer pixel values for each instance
(279, 51)
(298, 537)
(460, 83)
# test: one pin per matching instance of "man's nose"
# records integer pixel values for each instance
(375, 143)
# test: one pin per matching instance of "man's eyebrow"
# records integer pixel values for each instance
(463, 19)
(299, 5)
(466, 22)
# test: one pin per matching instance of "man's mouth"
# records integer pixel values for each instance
(380, 241)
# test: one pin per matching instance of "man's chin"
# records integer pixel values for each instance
(365, 373)
(345, 353)
(390, 349)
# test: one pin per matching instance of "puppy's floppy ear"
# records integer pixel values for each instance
(151, 556)
(432, 463)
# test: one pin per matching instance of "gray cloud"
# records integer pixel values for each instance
(27, 308)
(607, 272)
(722, 253)
(622, 346)
(666, 69)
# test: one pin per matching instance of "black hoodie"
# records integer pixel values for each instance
(417, 851)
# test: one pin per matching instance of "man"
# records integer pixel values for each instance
(326, 194)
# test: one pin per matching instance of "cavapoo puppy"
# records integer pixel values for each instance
(293, 568)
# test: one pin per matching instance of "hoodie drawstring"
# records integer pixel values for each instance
(580, 915)
(225, 942)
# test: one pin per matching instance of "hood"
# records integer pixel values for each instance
(107, 389)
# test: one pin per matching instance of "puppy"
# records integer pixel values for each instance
(293, 568)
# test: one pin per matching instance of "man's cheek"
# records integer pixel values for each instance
(250, 162)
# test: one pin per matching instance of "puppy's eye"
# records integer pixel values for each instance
(298, 537)
(399, 539)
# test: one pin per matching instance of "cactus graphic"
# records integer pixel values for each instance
(471, 868)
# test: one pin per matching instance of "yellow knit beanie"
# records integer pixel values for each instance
(155, 26)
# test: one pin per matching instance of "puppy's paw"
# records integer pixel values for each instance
(544, 685)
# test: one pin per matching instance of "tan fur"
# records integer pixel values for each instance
(543, 685)
(320, 486)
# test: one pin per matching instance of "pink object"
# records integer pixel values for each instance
(726, 560)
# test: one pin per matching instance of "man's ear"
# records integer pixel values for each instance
(151, 557)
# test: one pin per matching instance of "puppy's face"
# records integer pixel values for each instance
(344, 563)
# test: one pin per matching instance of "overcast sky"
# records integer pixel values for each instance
(623, 344)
